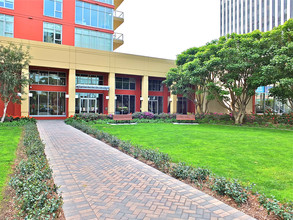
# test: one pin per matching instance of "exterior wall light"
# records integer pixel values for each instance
(67, 96)
(141, 98)
(107, 97)
(30, 95)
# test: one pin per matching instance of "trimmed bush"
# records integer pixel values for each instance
(37, 196)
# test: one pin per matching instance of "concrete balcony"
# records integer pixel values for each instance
(118, 18)
(117, 3)
(118, 40)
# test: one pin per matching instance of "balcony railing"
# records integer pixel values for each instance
(118, 36)
(118, 14)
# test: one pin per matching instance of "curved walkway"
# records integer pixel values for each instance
(99, 182)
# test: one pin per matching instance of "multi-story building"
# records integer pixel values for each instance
(244, 16)
(73, 67)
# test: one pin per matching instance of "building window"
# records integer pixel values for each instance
(53, 8)
(89, 79)
(47, 103)
(6, 25)
(89, 103)
(156, 104)
(110, 2)
(93, 39)
(52, 33)
(182, 105)
(125, 83)
(155, 85)
(264, 102)
(93, 15)
(47, 78)
(125, 104)
(7, 4)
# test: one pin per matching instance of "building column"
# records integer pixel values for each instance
(111, 102)
(25, 102)
(144, 94)
(173, 104)
(71, 92)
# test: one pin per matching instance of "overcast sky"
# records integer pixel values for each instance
(165, 28)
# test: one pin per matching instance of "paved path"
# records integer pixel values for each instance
(100, 182)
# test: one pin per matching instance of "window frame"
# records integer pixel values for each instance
(48, 93)
(48, 74)
(4, 3)
(53, 32)
(100, 43)
(55, 10)
(99, 10)
(89, 77)
(4, 26)
(129, 83)
(153, 83)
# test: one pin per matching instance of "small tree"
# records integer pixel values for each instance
(12, 61)
(193, 75)
(280, 68)
(238, 67)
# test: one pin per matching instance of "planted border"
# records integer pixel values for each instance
(36, 193)
(223, 186)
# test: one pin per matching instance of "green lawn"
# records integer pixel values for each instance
(256, 155)
(9, 139)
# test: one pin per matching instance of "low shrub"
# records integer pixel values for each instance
(231, 188)
(180, 171)
(37, 196)
(283, 211)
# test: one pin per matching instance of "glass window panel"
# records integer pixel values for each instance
(160, 103)
(53, 105)
(86, 17)
(61, 104)
(1, 3)
(125, 83)
(43, 103)
(126, 104)
(132, 86)
(119, 104)
(132, 104)
(118, 83)
(34, 103)
(43, 78)
(49, 8)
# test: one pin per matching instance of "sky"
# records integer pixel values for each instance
(165, 28)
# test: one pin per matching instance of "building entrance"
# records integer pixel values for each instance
(89, 103)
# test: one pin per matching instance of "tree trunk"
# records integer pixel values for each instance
(239, 116)
(4, 111)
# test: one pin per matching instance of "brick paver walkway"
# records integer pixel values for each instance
(100, 182)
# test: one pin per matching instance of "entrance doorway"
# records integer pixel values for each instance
(89, 103)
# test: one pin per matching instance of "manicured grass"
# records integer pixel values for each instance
(252, 155)
(9, 139)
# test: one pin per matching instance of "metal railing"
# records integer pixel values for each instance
(118, 14)
(118, 36)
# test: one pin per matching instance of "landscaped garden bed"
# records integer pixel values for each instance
(31, 193)
(209, 152)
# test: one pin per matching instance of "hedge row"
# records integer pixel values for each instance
(36, 193)
(200, 176)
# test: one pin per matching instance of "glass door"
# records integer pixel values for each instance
(153, 106)
(88, 105)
